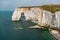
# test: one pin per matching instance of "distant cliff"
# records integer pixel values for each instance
(43, 16)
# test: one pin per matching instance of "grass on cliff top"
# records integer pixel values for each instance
(52, 8)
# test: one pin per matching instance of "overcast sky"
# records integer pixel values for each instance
(12, 4)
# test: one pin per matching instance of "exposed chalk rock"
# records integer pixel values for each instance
(56, 34)
(45, 18)
(36, 26)
(29, 13)
(40, 18)
(57, 16)
(54, 21)
(16, 15)
(48, 17)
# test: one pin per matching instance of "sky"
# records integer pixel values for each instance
(12, 4)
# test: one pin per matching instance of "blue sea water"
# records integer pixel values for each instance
(19, 30)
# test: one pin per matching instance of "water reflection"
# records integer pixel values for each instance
(23, 25)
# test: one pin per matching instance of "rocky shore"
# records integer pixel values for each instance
(55, 34)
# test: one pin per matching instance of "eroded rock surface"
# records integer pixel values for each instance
(42, 17)
(29, 13)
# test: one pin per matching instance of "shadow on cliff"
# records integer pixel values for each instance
(22, 18)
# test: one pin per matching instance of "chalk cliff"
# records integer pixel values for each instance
(43, 17)
(30, 13)
(57, 14)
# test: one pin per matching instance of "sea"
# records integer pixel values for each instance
(20, 30)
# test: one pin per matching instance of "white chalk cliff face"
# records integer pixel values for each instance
(43, 17)
(16, 15)
(57, 16)
(30, 14)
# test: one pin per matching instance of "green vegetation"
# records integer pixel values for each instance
(52, 8)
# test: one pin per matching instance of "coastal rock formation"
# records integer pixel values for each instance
(56, 20)
(16, 15)
(57, 14)
(56, 34)
(43, 17)
(29, 13)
